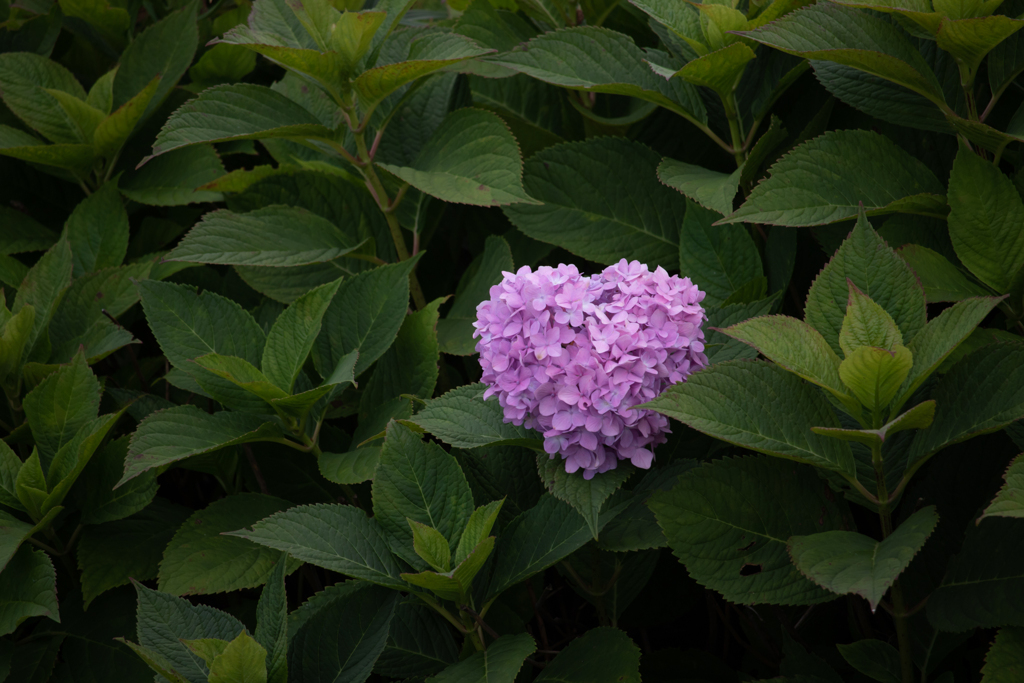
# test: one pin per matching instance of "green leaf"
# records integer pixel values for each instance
(200, 561)
(431, 546)
(341, 642)
(719, 259)
(720, 70)
(103, 503)
(42, 288)
(157, 662)
(1009, 502)
(174, 434)
(874, 658)
(866, 324)
(353, 467)
(736, 401)
(353, 34)
(409, 366)
(973, 398)
(10, 463)
(594, 59)
(602, 201)
(23, 77)
(941, 337)
(336, 537)
(207, 648)
(970, 39)
(854, 38)
(20, 233)
(164, 621)
(365, 314)
(874, 375)
(429, 52)
(940, 279)
(164, 49)
(97, 231)
(797, 347)
(419, 481)
(847, 562)
(111, 22)
(586, 496)
(81, 118)
(188, 325)
(601, 655)
(1005, 659)
(272, 622)
(419, 643)
(546, 533)
(239, 111)
(113, 131)
(28, 588)
(13, 532)
(472, 158)
(72, 458)
(293, 335)
(499, 663)
(223, 64)
(455, 332)
(711, 189)
(918, 417)
(734, 541)
(30, 485)
(636, 528)
(477, 528)
(174, 179)
(243, 661)
(60, 406)
(876, 270)
(271, 236)
(20, 145)
(824, 180)
(101, 551)
(984, 220)
(461, 418)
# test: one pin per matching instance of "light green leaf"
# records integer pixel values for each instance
(1005, 659)
(918, 417)
(242, 661)
(113, 131)
(353, 34)
(417, 480)
(431, 51)
(874, 375)
(164, 49)
(734, 541)
(20, 145)
(272, 622)
(28, 588)
(240, 111)
(847, 562)
(472, 158)
(876, 270)
(200, 561)
(601, 655)
(271, 236)
(243, 374)
(23, 77)
(477, 528)
(854, 38)
(970, 39)
(1009, 502)
(596, 59)
(293, 335)
(461, 418)
(602, 201)
(824, 180)
(207, 648)
(81, 117)
(867, 324)
(940, 279)
(174, 179)
(720, 70)
(101, 551)
(455, 332)
(174, 434)
(60, 406)
(984, 220)
(353, 467)
(365, 314)
(720, 259)
(499, 663)
(874, 658)
(735, 401)
(97, 231)
(586, 496)
(431, 546)
(710, 189)
(336, 537)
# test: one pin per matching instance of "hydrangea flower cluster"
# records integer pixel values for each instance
(571, 356)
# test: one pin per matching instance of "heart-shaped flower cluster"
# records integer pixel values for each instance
(571, 356)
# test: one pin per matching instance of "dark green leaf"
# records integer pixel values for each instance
(874, 658)
(98, 231)
(28, 588)
(719, 259)
(601, 655)
(455, 332)
(463, 419)
(499, 663)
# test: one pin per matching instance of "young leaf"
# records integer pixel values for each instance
(940, 279)
(419, 481)
(242, 661)
(848, 562)
(352, 35)
(601, 655)
(177, 433)
(720, 70)
(866, 324)
(721, 259)
(477, 528)
(455, 332)
(736, 401)
(431, 546)
(874, 375)
(97, 231)
(918, 417)
(271, 236)
(272, 622)
(711, 189)
(60, 406)
(336, 537)
(472, 158)
(499, 663)
(970, 39)
(865, 167)
(1005, 658)
(113, 131)
(874, 658)
(984, 220)
(200, 561)
(293, 335)
(1009, 502)
(28, 588)
(734, 542)
(461, 418)
(587, 497)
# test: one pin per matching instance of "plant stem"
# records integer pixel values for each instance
(734, 129)
(899, 615)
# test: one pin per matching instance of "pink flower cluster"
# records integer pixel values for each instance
(571, 355)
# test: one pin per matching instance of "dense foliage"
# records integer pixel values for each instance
(242, 246)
